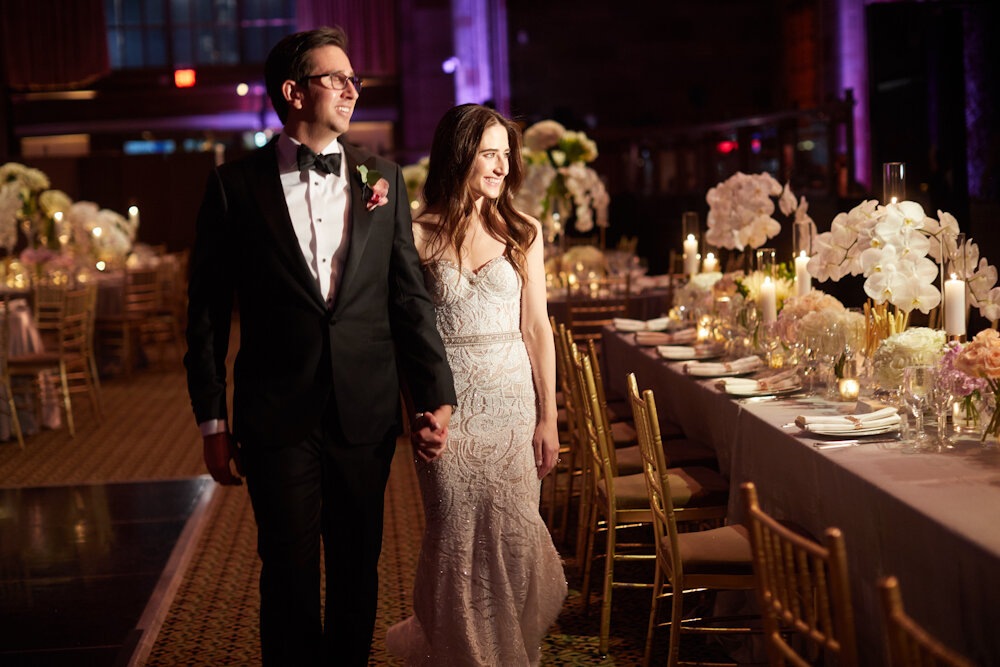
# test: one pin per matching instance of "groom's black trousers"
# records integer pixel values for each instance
(320, 487)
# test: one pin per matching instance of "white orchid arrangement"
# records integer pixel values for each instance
(53, 222)
(21, 188)
(556, 173)
(102, 234)
(740, 210)
(897, 247)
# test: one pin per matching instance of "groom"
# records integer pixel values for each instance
(332, 305)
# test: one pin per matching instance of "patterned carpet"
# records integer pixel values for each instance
(148, 433)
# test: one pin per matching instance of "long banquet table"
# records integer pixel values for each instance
(932, 520)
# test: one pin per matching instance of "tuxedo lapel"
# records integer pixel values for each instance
(265, 183)
(360, 218)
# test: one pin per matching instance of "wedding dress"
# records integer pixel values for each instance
(489, 581)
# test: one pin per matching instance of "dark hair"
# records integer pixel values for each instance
(290, 59)
(446, 190)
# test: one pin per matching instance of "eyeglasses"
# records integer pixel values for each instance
(337, 81)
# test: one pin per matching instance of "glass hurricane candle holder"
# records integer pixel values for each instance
(893, 182)
(766, 261)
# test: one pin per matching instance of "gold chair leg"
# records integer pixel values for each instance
(15, 422)
(69, 405)
(676, 621)
(588, 558)
(609, 574)
(654, 608)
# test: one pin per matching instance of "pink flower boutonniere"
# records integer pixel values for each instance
(376, 188)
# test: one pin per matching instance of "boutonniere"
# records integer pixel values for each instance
(374, 184)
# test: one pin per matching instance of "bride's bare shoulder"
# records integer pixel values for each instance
(424, 226)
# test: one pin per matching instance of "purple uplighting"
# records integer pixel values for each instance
(853, 57)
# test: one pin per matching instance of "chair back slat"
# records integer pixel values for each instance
(654, 468)
(909, 644)
(802, 587)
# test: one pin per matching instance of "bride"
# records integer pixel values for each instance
(489, 581)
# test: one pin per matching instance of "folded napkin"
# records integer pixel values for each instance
(717, 368)
(656, 324)
(847, 423)
(681, 352)
(777, 382)
(677, 351)
(651, 338)
(644, 282)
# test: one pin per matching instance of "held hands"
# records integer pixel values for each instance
(546, 446)
(429, 433)
(219, 450)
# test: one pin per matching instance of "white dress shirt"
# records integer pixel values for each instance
(319, 206)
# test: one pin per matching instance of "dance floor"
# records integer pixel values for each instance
(81, 564)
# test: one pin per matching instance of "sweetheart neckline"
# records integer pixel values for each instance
(471, 274)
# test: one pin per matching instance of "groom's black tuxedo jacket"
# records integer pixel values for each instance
(297, 356)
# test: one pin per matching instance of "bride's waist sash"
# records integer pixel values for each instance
(481, 339)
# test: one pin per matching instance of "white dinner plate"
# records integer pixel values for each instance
(724, 374)
(818, 429)
(698, 356)
(784, 391)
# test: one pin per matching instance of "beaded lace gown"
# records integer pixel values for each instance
(489, 581)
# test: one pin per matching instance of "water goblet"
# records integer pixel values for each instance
(942, 399)
(918, 383)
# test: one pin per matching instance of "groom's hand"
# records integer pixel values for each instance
(220, 449)
(429, 433)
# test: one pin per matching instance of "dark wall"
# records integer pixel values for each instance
(646, 63)
(166, 188)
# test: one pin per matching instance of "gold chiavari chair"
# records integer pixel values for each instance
(164, 325)
(15, 422)
(712, 558)
(621, 502)
(561, 480)
(802, 589)
(596, 304)
(68, 358)
(909, 644)
(119, 332)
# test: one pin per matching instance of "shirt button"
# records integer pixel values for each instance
(324, 260)
(319, 219)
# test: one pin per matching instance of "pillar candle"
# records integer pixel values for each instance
(133, 216)
(954, 306)
(690, 255)
(803, 281)
(768, 301)
(710, 263)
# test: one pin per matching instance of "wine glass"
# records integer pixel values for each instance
(942, 399)
(918, 384)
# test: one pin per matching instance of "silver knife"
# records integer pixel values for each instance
(837, 444)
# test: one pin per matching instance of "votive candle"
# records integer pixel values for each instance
(954, 306)
(849, 388)
(803, 281)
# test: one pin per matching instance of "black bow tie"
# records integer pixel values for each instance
(324, 164)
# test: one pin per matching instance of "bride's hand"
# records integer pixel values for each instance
(546, 445)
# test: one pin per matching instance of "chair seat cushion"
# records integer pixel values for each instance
(34, 359)
(724, 550)
(689, 487)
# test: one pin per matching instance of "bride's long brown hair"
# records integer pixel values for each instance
(447, 194)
